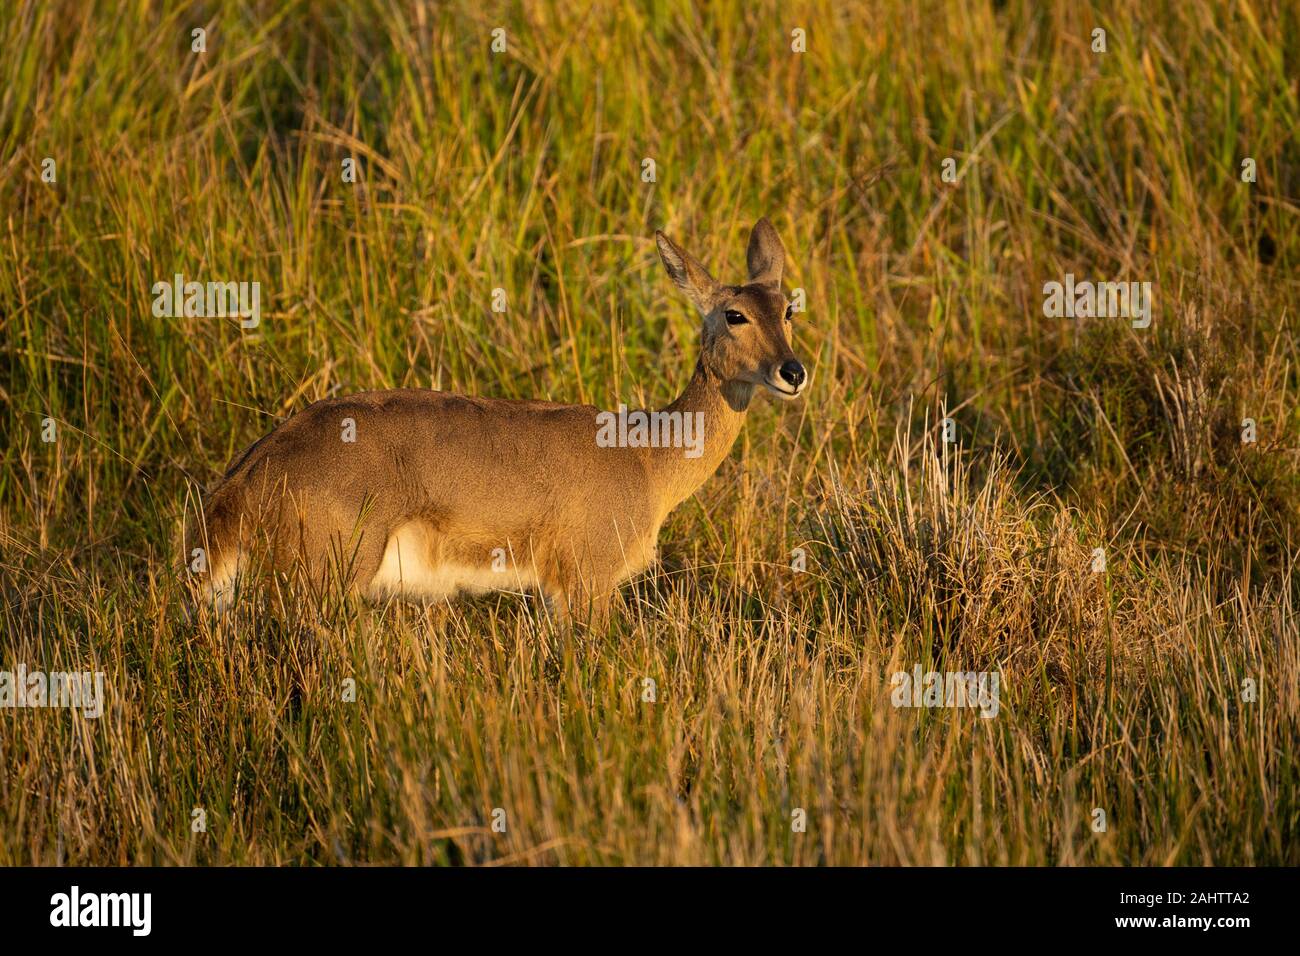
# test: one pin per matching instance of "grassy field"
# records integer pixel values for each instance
(1161, 691)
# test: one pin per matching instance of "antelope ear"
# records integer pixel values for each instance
(685, 270)
(766, 255)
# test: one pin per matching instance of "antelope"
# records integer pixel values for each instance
(437, 494)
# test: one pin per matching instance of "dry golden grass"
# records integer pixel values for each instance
(1121, 690)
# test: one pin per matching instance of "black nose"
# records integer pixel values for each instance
(793, 373)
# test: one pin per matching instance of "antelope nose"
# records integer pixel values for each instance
(793, 373)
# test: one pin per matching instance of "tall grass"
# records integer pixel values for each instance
(1122, 689)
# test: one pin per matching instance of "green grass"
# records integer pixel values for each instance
(521, 171)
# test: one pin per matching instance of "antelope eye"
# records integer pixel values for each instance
(734, 318)
(789, 312)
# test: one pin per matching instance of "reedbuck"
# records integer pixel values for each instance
(422, 494)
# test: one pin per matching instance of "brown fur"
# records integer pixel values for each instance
(436, 482)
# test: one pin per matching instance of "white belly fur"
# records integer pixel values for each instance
(409, 570)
